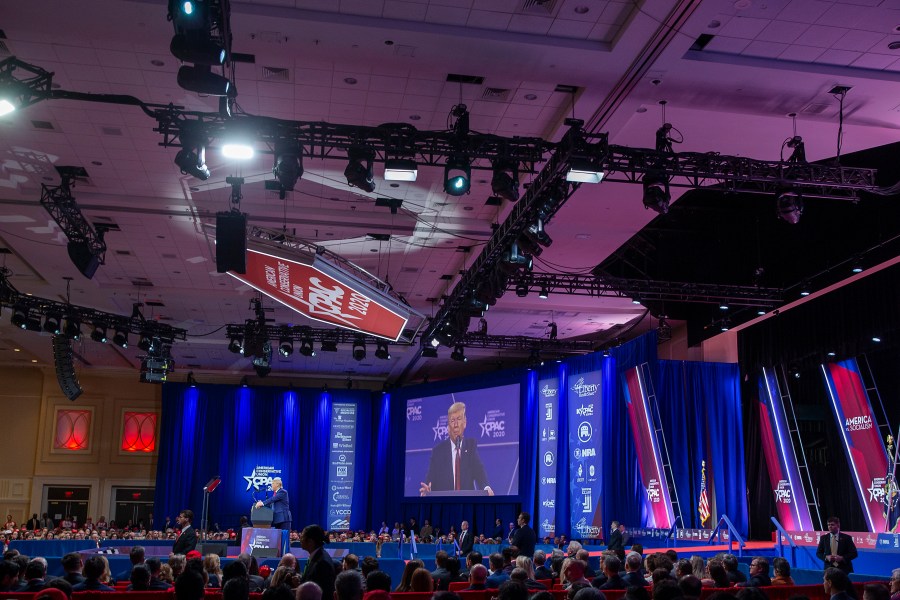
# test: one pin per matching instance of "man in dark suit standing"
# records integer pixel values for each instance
(524, 538)
(617, 540)
(466, 539)
(187, 539)
(455, 464)
(836, 549)
(281, 519)
(319, 568)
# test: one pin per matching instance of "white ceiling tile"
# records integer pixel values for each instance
(821, 36)
(575, 10)
(507, 6)
(123, 76)
(804, 11)
(383, 99)
(840, 15)
(447, 15)
(522, 111)
(428, 103)
(370, 8)
(383, 83)
(727, 45)
(267, 89)
(530, 24)
(838, 57)
(873, 61)
(616, 12)
(894, 66)
(487, 19)
(570, 29)
(115, 58)
(312, 93)
(744, 27)
(407, 11)
(33, 52)
(340, 81)
(785, 32)
(603, 32)
(764, 49)
(425, 87)
(313, 76)
(76, 55)
(861, 41)
(879, 19)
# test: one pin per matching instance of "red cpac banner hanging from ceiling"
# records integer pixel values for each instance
(311, 292)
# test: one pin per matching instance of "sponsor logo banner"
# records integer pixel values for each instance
(859, 435)
(584, 414)
(862, 539)
(342, 461)
(548, 421)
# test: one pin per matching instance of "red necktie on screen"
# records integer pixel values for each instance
(456, 469)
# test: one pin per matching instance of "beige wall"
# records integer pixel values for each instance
(29, 399)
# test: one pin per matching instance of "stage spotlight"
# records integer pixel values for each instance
(359, 172)
(262, 369)
(193, 162)
(190, 379)
(553, 331)
(725, 326)
(288, 165)
(723, 306)
(244, 381)
(72, 328)
(663, 330)
(656, 192)
(6, 107)
(544, 293)
(636, 300)
(381, 351)
(286, 346)
(457, 176)
(359, 349)
(483, 327)
(235, 344)
(201, 80)
(534, 359)
(306, 347)
(857, 267)
(505, 180)
(459, 354)
(537, 232)
(20, 316)
(521, 290)
(145, 341)
(435, 342)
(429, 352)
(329, 346)
(238, 150)
(789, 206)
(805, 289)
(400, 169)
(120, 337)
(197, 48)
(53, 323)
(582, 170)
(518, 259)
(99, 333)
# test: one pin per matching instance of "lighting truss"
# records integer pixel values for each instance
(670, 291)
(60, 203)
(696, 170)
(43, 307)
(524, 344)
(299, 333)
(27, 90)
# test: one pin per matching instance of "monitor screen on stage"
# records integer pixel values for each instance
(463, 444)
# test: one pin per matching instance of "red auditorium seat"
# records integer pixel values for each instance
(456, 586)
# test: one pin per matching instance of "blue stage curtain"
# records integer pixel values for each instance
(227, 431)
(699, 406)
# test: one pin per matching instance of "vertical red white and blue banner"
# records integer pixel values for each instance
(342, 459)
(860, 437)
(584, 408)
(653, 477)
(548, 445)
(781, 461)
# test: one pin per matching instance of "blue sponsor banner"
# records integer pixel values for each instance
(584, 406)
(548, 445)
(888, 541)
(342, 459)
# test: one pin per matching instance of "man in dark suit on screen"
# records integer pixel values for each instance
(455, 464)
(187, 539)
(836, 549)
(281, 517)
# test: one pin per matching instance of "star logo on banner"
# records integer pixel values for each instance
(440, 431)
(484, 426)
(250, 479)
(876, 492)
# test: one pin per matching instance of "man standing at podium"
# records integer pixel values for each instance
(281, 519)
(455, 463)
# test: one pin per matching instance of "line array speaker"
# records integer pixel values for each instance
(231, 242)
(65, 367)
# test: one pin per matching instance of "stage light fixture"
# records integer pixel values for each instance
(201, 80)
(789, 206)
(857, 267)
(582, 170)
(554, 331)
(238, 150)
(20, 316)
(656, 192)
(459, 354)
(198, 48)
(483, 327)
(193, 162)
(805, 289)
(190, 379)
(400, 169)
(725, 325)
(244, 381)
(359, 349)
(120, 337)
(723, 306)
(636, 300)
(72, 328)
(288, 165)
(457, 176)
(234, 345)
(381, 351)
(262, 369)
(286, 346)
(6, 107)
(99, 333)
(505, 180)
(663, 330)
(306, 347)
(537, 233)
(359, 171)
(329, 346)
(544, 293)
(145, 341)
(518, 259)
(521, 290)
(429, 352)
(53, 323)
(435, 342)
(761, 311)
(876, 339)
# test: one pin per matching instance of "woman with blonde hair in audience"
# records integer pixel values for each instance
(524, 562)
(421, 581)
(282, 575)
(698, 567)
(165, 574)
(562, 571)
(213, 567)
(408, 571)
(106, 578)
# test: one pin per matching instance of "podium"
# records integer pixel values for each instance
(265, 542)
(261, 517)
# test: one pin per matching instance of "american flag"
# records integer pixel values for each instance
(704, 499)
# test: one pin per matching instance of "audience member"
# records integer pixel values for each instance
(782, 570)
(320, 567)
(759, 574)
(633, 575)
(574, 573)
(368, 565)
(637, 592)
(440, 574)
(730, 562)
(611, 567)
(348, 586)
(378, 580)
(406, 579)
(136, 557)
(683, 568)
(666, 589)
(876, 591)
(154, 565)
(421, 581)
(498, 575)
(895, 584)
(512, 590)
(94, 568)
(60, 584)
(35, 572)
(350, 563)
(751, 593)
(477, 577)
(718, 576)
(236, 587)
(307, 591)
(837, 585)
(140, 579)
(472, 558)
(188, 586)
(691, 586)
(585, 557)
(589, 593)
(697, 566)
(9, 576)
(72, 564)
(541, 571)
(213, 568)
